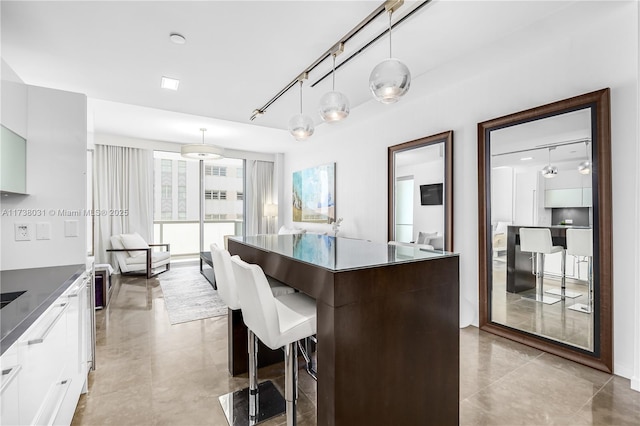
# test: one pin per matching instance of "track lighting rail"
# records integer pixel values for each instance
(386, 6)
(545, 146)
(370, 42)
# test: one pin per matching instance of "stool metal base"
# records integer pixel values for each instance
(567, 293)
(581, 307)
(547, 300)
(236, 405)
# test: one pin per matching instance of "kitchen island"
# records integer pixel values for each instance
(388, 325)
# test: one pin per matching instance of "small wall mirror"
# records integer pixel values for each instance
(421, 192)
(545, 228)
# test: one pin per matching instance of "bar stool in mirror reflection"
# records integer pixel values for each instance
(538, 241)
(580, 243)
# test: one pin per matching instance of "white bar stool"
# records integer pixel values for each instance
(260, 401)
(580, 243)
(280, 322)
(538, 241)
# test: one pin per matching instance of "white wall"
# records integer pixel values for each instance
(502, 195)
(425, 218)
(525, 192)
(56, 136)
(493, 82)
(13, 105)
(635, 380)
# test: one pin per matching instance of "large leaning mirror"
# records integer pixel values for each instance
(421, 192)
(544, 178)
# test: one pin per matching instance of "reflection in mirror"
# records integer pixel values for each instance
(535, 183)
(420, 192)
(545, 218)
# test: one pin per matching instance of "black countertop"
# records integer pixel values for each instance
(41, 287)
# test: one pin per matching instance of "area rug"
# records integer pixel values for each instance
(188, 296)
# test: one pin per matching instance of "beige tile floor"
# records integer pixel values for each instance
(152, 373)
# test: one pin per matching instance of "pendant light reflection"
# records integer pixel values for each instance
(197, 151)
(390, 79)
(549, 171)
(334, 106)
(584, 168)
(301, 125)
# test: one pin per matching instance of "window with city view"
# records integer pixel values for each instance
(176, 202)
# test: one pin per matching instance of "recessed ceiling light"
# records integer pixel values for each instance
(169, 83)
(177, 38)
(526, 158)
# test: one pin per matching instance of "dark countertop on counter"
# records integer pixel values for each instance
(41, 287)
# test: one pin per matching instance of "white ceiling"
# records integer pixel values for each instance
(237, 56)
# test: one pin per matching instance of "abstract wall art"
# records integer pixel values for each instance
(314, 192)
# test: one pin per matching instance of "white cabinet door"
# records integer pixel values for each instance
(587, 197)
(87, 332)
(75, 374)
(9, 387)
(563, 197)
(41, 351)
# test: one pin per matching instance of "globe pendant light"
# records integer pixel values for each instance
(334, 106)
(201, 151)
(301, 125)
(390, 79)
(584, 167)
(549, 171)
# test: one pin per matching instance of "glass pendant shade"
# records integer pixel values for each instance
(301, 126)
(334, 106)
(584, 168)
(549, 171)
(389, 81)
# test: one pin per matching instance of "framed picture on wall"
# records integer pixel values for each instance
(314, 192)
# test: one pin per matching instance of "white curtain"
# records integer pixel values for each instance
(262, 191)
(123, 189)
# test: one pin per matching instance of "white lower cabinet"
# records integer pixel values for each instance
(41, 352)
(9, 387)
(45, 371)
(76, 370)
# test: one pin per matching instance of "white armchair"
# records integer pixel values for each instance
(135, 256)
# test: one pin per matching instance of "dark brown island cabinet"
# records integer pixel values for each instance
(388, 325)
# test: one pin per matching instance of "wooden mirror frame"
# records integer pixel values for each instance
(602, 356)
(447, 139)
